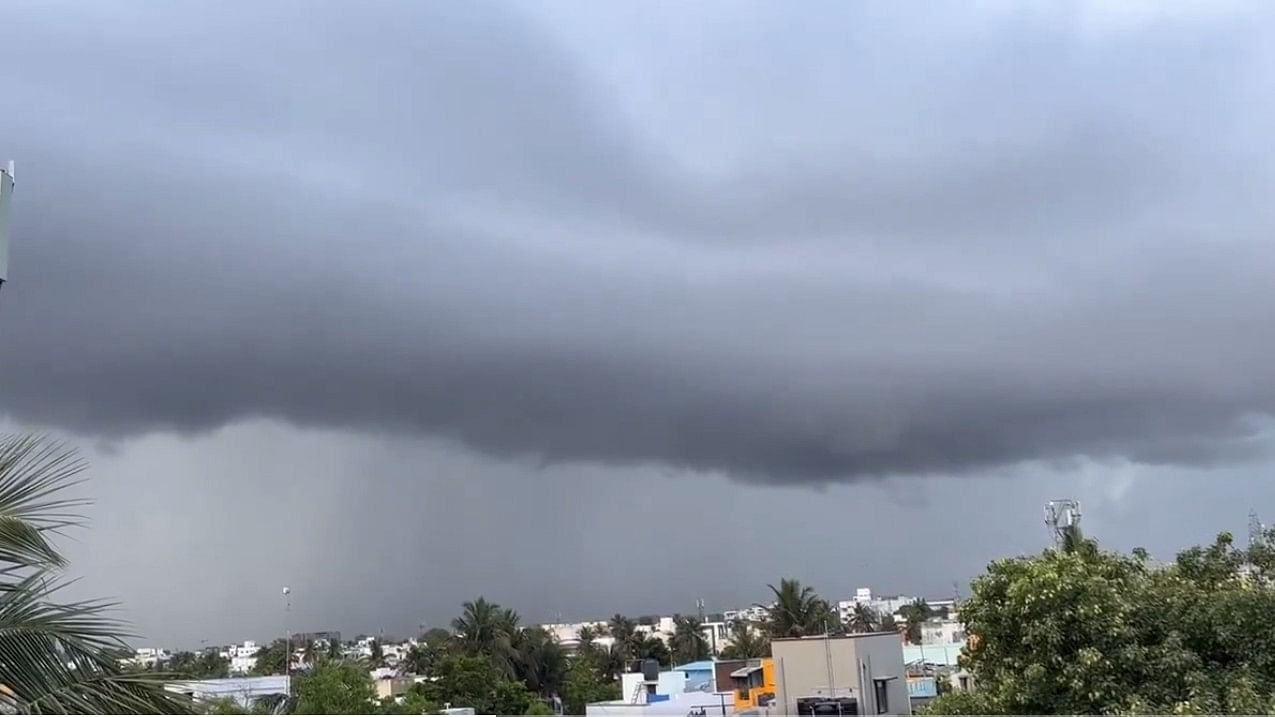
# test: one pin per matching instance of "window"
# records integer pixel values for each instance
(882, 694)
(965, 683)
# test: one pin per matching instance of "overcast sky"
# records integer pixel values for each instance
(598, 307)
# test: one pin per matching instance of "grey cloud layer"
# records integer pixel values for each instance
(938, 253)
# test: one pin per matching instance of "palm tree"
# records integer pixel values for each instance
(542, 663)
(611, 662)
(56, 656)
(797, 611)
(478, 627)
(862, 619)
(651, 647)
(888, 623)
(688, 642)
(745, 642)
(914, 615)
(624, 630)
(585, 637)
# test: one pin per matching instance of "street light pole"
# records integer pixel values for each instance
(287, 636)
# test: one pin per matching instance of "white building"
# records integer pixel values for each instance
(880, 605)
(755, 614)
(937, 631)
(148, 657)
(242, 657)
(717, 635)
(568, 633)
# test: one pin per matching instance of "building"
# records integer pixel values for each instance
(568, 633)
(880, 605)
(940, 661)
(754, 684)
(717, 635)
(392, 686)
(866, 668)
(700, 676)
(242, 657)
(148, 657)
(937, 631)
(243, 690)
(754, 614)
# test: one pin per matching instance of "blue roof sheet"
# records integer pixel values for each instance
(699, 666)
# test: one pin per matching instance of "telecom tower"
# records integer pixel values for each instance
(1256, 531)
(1063, 518)
(6, 191)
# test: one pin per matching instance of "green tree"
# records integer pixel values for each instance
(746, 642)
(538, 707)
(334, 649)
(1083, 631)
(888, 623)
(335, 688)
(486, 629)
(583, 685)
(473, 681)
(272, 659)
(688, 643)
(624, 630)
(542, 663)
(797, 610)
(586, 640)
(652, 647)
(57, 656)
(914, 615)
(223, 706)
(862, 619)
(437, 637)
(376, 656)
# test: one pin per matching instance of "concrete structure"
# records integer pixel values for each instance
(243, 690)
(880, 605)
(671, 682)
(700, 676)
(6, 192)
(148, 657)
(680, 705)
(242, 657)
(942, 632)
(717, 635)
(867, 667)
(392, 686)
(754, 614)
(568, 633)
(754, 684)
(944, 655)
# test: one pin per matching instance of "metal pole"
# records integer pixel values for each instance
(287, 638)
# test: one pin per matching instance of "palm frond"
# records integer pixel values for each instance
(56, 657)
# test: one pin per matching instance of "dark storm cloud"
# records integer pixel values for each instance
(1020, 242)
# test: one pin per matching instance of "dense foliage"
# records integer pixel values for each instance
(1083, 631)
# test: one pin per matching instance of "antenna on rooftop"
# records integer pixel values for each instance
(1063, 518)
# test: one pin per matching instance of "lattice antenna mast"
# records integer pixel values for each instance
(1063, 518)
(1256, 531)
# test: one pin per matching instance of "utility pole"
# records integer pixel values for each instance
(6, 192)
(287, 636)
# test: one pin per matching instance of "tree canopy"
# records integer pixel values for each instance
(1085, 631)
